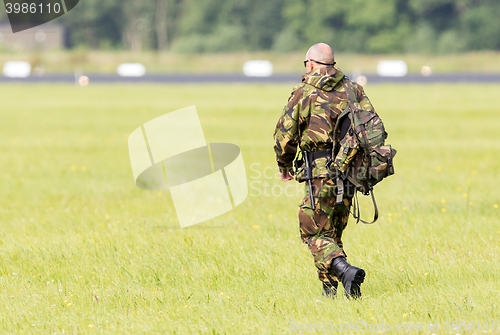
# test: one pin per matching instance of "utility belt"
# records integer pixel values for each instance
(304, 172)
(311, 157)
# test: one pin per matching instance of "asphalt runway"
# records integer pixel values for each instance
(240, 78)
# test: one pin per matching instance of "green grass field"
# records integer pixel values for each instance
(83, 250)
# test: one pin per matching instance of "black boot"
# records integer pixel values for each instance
(330, 289)
(350, 276)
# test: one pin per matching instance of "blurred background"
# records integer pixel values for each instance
(86, 251)
(185, 35)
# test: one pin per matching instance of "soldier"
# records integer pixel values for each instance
(307, 123)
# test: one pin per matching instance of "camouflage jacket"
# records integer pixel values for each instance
(309, 118)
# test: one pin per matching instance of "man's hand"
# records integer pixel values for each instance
(286, 174)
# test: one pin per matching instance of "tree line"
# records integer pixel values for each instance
(361, 26)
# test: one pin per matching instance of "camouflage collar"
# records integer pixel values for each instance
(324, 78)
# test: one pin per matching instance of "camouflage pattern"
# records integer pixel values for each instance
(380, 166)
(310, 116)
(322, 229)
(367, 136)
(309, 119)
(348, 149)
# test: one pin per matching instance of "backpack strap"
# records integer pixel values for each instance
(351, 95)
(351, 98)
(356, 212)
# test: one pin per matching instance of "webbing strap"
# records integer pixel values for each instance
(340, 191)
(356, 212)
(354, 182)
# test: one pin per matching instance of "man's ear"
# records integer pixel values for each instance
(310, 66)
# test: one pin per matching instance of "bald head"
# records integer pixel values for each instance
(321, 52)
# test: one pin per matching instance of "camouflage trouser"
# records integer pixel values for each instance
(325, 245)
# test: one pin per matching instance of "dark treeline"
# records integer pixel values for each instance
(364, 26)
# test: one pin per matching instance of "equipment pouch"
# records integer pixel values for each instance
(348, 149)
(381, 163)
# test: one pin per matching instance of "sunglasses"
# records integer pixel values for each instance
(312, 60)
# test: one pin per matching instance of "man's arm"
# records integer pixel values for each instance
(286, 135)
